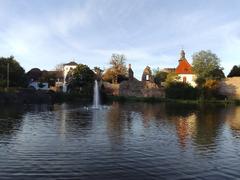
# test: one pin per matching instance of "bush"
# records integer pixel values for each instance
(180, 90)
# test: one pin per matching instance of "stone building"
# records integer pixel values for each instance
(147, 75)
(134, 87)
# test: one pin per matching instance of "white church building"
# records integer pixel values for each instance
(184, 70)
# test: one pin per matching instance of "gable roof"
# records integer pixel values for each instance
(72, 63)
(183, 67)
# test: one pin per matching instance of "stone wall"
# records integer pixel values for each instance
(134, 88)
(230, 87)
(111, 89)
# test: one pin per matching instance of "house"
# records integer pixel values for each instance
(184, 70)
(39, 86)
(66, 68)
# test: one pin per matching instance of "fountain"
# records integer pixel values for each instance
(96, 96)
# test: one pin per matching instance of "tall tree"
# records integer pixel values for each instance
(235, 71)
(81, 79)
(118, 70)
(17, 76)
(34, 74)
(59, 67)
(206, 65)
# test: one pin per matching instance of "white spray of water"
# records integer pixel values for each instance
(96, 96)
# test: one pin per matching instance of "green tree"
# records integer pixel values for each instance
(17, 76)
(171, 77)
(34, 74)
(118, 70)
(49, 76)
(180, 90)
(235, 71)
(81, 80)
(159, 76)
(206, 65)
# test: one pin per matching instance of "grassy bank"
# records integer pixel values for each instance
(183, 101)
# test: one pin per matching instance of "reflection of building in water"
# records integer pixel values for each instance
(185, 126)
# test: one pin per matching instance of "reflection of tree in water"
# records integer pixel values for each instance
(75, 121)
(179, 109)
(208, 125)
(123, 116)
(10, 120)
(200, 123)
(184, 118)
(115, 122)
(233, 120)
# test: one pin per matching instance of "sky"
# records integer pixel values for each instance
(148, 32)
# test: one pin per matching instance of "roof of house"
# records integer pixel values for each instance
(72, 63)
(183, 67)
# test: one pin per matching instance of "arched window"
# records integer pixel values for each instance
(147, 77)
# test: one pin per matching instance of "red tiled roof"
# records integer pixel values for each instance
(184, 67)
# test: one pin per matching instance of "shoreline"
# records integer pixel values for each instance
(43, 97)
(180, 101)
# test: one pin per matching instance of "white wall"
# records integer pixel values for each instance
(190, 78)
(66, 69)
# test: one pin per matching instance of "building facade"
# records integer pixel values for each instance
(184, 70)
(66, 68)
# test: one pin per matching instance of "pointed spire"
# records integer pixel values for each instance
(182, 54)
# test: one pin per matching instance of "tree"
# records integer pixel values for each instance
(159, 76)
(34, 74)
(235, 71)
(98, 71)
(206, 65)
(118, 70)
(49, 76)
(81, 80)
(17, 76)
(180, 90)
(171, 77)
(59, 67)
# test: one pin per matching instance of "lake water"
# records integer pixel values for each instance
(121, 141)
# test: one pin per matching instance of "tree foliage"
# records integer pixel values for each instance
(98, 71)
(235, 72)
(159, 76)
(180, 90)
(118, 70)
(34, 74)
(207, 66)
(81, 80)
(49, 76)
(17, 76)
(171, 77)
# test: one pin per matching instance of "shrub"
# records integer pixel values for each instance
(180, 90)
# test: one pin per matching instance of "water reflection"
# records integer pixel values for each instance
(233, 120)
(139, 140)
(73, 119)
(10, 120)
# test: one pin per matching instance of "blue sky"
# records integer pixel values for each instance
(149, 32)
